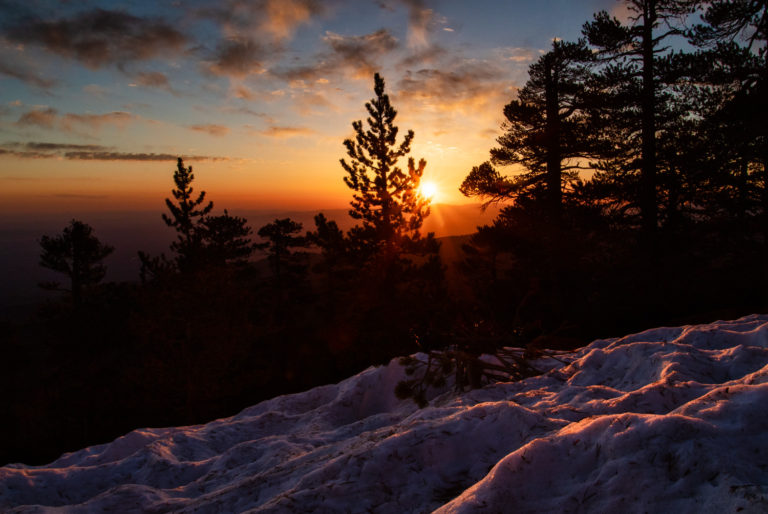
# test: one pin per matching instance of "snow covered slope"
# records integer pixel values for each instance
(668, 420)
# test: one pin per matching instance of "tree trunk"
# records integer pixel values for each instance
(648, 104)
(554, 160)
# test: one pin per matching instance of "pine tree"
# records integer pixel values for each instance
(282, 238)
(632, 74)
(545, 132)
(78, 254)
(226, 239)
(187, 215)
(386, 198)
(735, 54)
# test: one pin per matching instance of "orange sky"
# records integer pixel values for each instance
(96, 102)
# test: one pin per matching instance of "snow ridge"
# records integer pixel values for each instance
(667, 420)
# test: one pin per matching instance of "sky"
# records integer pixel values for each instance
(98, 99)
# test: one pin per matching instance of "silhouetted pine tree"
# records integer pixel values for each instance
(735, 66)
(631, 75)
(545, 131)
(282, 237)
(226, 239)
(187, 214)
(386, 198)
(78, 254)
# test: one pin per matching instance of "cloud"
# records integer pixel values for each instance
(421, 20)
(25, 75)
(45, 118)
(428, 55)
(519, 54)
(153, 79)
(95, 121)
(359, 52)
(359, 55)
(285, 132)
(274, 20)
(214, 130)
(284, 16)
(53, 147)
(45, 150)
(123, 156)
(238, 57)
(78, 196)
(467, 86)
(100, 37)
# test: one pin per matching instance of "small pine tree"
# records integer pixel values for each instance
(282, 238)
(187, 214)
(226, 239)
(78, 254)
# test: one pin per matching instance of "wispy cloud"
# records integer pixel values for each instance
(284, 132)
(212, 129)
(24, 74)
(42, 117)
(46, 150)
(422, 20)
(153, 79)
(96, 121)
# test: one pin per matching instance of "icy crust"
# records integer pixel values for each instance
(667, 420)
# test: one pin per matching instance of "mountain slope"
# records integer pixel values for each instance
(667, 420)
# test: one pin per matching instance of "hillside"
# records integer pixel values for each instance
(667, 420)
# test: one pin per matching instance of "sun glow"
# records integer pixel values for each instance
(428, 190)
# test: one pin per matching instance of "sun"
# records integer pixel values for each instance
(428, 190)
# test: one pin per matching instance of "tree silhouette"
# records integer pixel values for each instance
(545, 132)
(187, 214)
(78, 254)
(386, 198)
(226, 239)
(633, 76)
(282, 238)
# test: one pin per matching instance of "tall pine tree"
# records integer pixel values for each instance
(631, 53)
(545, 132)
(386, 198)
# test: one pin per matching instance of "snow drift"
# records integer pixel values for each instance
(667, 420)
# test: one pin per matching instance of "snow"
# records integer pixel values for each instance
(667, 420)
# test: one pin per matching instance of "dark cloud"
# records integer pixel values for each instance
(123, 156)
(238, 57)
(358, 54)
(53, 147)
(212, 129)
(45, 118)
(45, 150)
(25, 75)
(100, 37)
